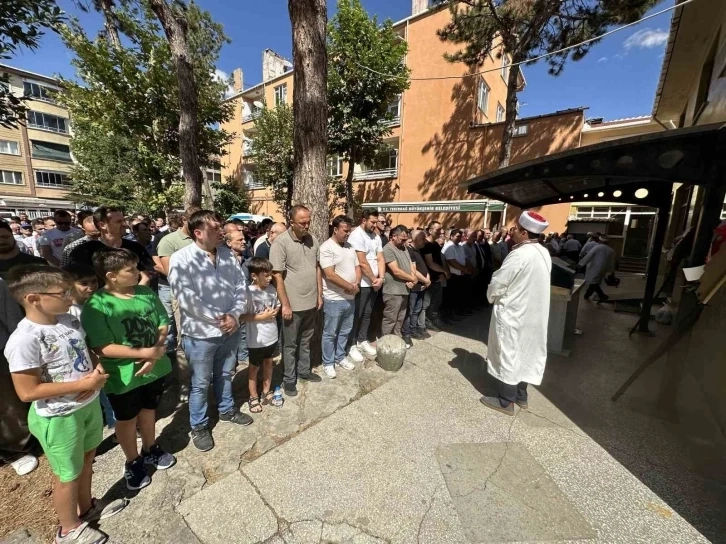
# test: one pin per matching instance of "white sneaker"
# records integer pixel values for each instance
(330, 371)
(346, 364)
(25, 465)
(367, 349)
(356, 355)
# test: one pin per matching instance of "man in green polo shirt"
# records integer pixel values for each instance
(296, 272)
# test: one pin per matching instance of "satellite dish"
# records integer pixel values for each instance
(258, 104)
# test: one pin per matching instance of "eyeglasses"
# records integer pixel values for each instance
(63, 294)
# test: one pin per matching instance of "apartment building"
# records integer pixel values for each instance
(446, 131)
(35, 157)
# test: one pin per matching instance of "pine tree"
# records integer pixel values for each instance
(523, 29)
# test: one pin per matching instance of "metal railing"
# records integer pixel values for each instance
(251, 116)
(394, 122)
(45, 127)
(254, 184)
(53, 184)
(376, 174)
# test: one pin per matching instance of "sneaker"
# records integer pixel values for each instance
(346, 364)
(290, 390)
(135, 474)
(101, 509)
(202, 439)
(523, 404)
(367, 349)
(311, 377)
(330, 371)
(236, 417)
(356, 355)
(409, 342)
(83, 534)
(495, 404)
(158, 457)
(421, 334)
(25, 465)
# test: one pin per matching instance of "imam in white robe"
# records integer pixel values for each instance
(600, 261)
(520, 295)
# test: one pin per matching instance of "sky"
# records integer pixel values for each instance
(617, 79)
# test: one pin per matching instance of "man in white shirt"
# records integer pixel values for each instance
(341, 279)
(369, 250)
(211, 290)
(51, 241)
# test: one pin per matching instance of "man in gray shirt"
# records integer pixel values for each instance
(297, 277)
(400, 279)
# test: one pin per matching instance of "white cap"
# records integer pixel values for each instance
(533, 222)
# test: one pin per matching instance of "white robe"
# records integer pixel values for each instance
(600, 261)
(520, 294)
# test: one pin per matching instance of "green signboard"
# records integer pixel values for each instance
(443, 207)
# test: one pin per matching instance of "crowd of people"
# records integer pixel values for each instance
(104, 322)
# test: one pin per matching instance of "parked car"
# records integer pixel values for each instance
(248, 217)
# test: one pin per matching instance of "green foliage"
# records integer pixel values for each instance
(126, 105)
(21, 25)
(358, 99)
(274, 155)
(230, 197)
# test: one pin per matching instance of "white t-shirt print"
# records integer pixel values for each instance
(59, 351)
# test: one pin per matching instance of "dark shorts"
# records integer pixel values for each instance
(258, 355)
(127, 406)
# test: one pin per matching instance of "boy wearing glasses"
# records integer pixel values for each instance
(52, 368)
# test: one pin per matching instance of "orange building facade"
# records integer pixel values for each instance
(447, 131)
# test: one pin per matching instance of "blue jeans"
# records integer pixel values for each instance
(107, 411)
(165, 296)
(243, 354)
(415, 305)
(338, 324)
(212, 361)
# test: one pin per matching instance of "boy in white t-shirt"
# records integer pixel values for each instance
(262, 334)
(341, 283)
(52, 368)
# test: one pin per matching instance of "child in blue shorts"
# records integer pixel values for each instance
(52, 368)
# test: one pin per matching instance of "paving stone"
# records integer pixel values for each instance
(229, 511)
(502, 494)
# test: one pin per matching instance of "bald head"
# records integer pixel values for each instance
(89, 227)
(275, 230)
(418, 238)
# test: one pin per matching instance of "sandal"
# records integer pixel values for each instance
(255, 406)
(266, 398)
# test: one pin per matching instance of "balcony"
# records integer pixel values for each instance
(368, 175)
(396, 121)
(251, 116)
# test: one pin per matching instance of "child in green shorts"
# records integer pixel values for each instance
(126, 325)
(52, 368)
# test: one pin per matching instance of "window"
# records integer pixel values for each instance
(11, 178)
(500, 113)
(704, 84)
(395, 107)
(247, 146)
(39, 92)
(50, 151)
(54, 180)
(505, 66)
(251, 181)
(521, 130)
(9, 148)
(482, 97)
(335, 167)
(214, 176)
(281, 94)
(46, 121)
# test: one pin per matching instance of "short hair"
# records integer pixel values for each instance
(454, 232)
(112, 259)
(396, 231)
(34, 278)
(36, 222)
(431, 225)
(5, 225)
(174, 219)
(297, 208)
(237, 222)
(135, 226)
(367, 212)
(79, 271)
(61, 214)
(200, 218)
(82, 214)
(102, 212)
(258, 265)
(266, 223)
(340, 220)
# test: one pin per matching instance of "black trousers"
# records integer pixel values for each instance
(594, 288)
(365, 301)
(508, 393)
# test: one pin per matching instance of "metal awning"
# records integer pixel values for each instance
(635, 170)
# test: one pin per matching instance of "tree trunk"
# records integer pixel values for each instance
(175, 27)
(349, 200)
(505, 153)
(109, 23)
(288, 199)
(310, 110)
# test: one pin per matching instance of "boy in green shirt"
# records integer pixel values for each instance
(126, 325)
